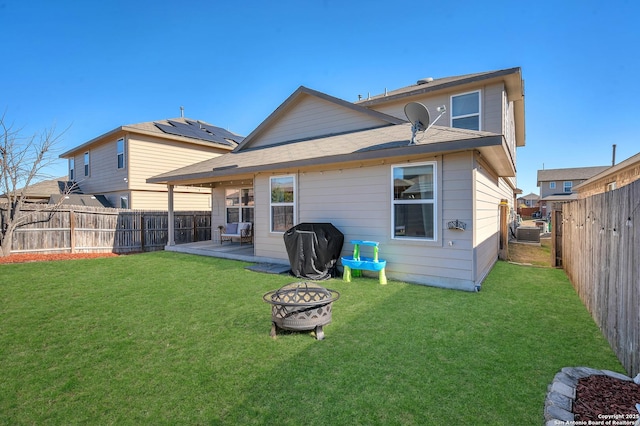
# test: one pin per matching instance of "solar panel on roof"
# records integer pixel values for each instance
(222, 132)
(168, 129)
(191, 131)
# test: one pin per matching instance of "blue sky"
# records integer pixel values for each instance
(95, 65)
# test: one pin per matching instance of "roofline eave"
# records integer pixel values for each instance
(131, 130)
(386, 154)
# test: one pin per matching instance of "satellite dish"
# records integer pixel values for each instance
(418, 115)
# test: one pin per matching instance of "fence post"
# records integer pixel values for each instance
(195, 228)
(72, 230)
(142, 232)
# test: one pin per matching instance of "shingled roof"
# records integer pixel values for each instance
(384, 143)
(155, 128)
(577, 173)
(434, 84)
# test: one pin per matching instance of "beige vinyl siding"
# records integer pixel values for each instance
(182, 201)
(438, 263)
(104, 175)
(358, 202)
(490, 106)
(509, 126)
(145, 157)
(267, 244)
(313, 117)
(432, 102)
(218, 207)
(150, 156)
(489, 190)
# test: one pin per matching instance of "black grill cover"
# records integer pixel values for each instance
(314, 250)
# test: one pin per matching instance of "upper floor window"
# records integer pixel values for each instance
(282, 203)
(120, 149)
(414, 201)
(72, 169)
(552, 185)
(567, 186)
(610, 186)
(465, 111)
(86, 163)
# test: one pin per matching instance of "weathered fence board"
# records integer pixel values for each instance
(80, 229)
(601, 255)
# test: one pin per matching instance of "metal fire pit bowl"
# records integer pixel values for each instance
(301, 306)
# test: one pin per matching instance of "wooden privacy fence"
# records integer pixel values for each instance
(601, 255)
(86, 229)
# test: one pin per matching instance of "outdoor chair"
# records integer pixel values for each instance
(242, 231)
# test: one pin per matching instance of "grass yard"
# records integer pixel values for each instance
(166, 338)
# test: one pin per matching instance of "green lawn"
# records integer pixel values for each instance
(165, 338)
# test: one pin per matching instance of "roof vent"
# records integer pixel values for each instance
(425, 80)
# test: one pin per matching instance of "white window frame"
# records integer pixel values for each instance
(121, 153)
(87, 162)
(478, 114)
(567, 184)
(433, 201)
(241, 207)
(72, 169)
(552, 185)
(282, 204)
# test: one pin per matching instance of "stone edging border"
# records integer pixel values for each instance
(561, 393)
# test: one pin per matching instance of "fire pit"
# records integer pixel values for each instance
(301, 306)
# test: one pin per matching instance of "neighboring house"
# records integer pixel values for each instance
(556, 185)
(529, 200)
(614, 177)
(40, 192)
(318, 158)
(116, 164)
(60, 190)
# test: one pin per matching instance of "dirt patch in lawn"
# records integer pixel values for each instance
(36, 257)
(531, 253)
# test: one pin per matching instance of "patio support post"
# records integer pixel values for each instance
(171, 223)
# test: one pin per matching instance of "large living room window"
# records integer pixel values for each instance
(282, 203)
(239, 204)
(465, 111)
(414, 200)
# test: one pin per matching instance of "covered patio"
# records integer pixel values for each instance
(233, 251)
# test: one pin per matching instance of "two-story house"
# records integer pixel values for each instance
(117, 164)
(556, 185)
(433, 205)
(529, 200)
